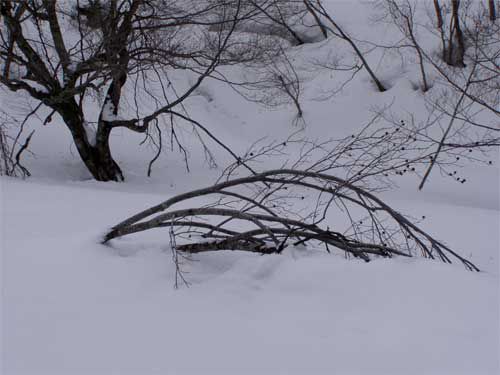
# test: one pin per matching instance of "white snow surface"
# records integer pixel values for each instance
(70, 305)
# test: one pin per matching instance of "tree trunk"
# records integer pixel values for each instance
(491, 7)
(458, 59)
(95, 155)
(439, 25)
(439, 15)
(109, 167)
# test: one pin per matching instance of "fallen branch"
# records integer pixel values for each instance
(272, 210)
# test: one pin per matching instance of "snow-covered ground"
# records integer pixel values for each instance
(73, 306)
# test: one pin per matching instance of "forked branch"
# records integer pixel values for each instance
(277, 212)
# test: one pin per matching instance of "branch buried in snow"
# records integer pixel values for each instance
(273, 210)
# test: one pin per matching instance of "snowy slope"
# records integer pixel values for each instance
(72, 306)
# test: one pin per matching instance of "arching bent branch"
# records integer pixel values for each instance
(269, 211)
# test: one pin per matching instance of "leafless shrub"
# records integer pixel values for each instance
(13, 147)
(273, 81)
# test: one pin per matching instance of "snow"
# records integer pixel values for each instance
(73, 306)
(108, 111)
(36, 86)
(90, 132)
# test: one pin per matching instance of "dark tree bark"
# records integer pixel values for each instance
(457, 58)
(439, 15)
(491, 8)
(439, 25)
(96, 154)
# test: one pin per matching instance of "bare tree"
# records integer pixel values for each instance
(69, 65)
